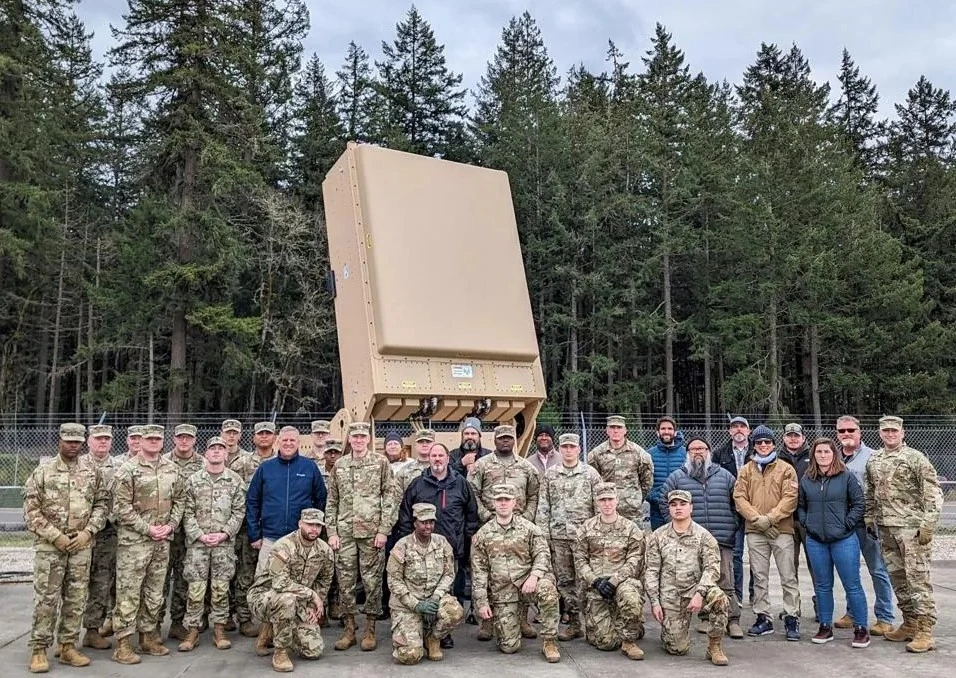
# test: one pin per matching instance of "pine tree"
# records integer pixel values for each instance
(855, 112)
(355, 96)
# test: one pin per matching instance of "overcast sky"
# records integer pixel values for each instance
(892, 41)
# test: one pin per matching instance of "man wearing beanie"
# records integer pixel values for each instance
(464, 456)
(544, 456)
(766, 497)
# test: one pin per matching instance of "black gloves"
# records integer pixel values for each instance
(604, 586)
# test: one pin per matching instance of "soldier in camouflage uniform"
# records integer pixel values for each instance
(360, 511)
(903, 505)
(504, 466)
(148, 506)
(290, 593)
(567, 498)
(424, 440)
(188, 461)
(215, 508)
(609, 557)
(682, 571)
(628, 466)
(421, 569)
(66, 502)
(134, 440)
(102, 588)
(511, 567)
(331, 454)
(321, 431)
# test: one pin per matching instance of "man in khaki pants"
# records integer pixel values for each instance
(766, 497)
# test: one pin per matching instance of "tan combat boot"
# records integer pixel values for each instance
(844, 622)
(264, 639)
(433, 648)
(550, 651)
(123, 654)
(880, 628)
(106, 630)
(177, 631)
(70, 656)
(904, 632)
(151, 644)
(486, 630)
(923, 640)
(348, 635)
(631, 650)
(527, 630)
(189, 642)
(572, 630)
(219, 637)
(38, 661)
(715, 653)
(93, 638)
(248, 629)
(281, 661)
(368, 638)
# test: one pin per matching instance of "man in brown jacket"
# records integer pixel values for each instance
(766, 497)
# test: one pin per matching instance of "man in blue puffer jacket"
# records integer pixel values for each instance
(668, 455)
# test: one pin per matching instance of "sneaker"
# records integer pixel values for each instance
(792, 624)
(762, 627)
(824, 635)
(861, 637)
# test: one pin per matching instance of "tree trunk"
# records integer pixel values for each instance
(668, 334)
(55, 364)
(774, 362)
(708, 389)
(815, 376)
(151, 404)
(573, 357)
(43, 357)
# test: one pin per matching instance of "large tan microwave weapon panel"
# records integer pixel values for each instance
(432, 308)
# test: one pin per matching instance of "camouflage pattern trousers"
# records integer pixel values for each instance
(675, 631)
(59, 591)
(908, 563)
(289, 617)
(216, 566)
(408, 628)
(102, 591)
(246, 561)
(562, 559)
(360, 556)
(609, 622)
(140, 586)
(175, 583)
(507, 616)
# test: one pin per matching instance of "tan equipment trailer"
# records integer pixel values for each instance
(431, 302)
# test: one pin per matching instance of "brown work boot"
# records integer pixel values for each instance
(486, 631)
(152, 644)
(70, 656)
(368, 638)
(281, 661)
(844, 622)
(189, 642)
(923, 640)
(631, 650)
(734, 630)
(550, 651)
(572, 630)
(177, 631)
(527, 630)
(123, 654)
(433, 648)
(715, 653)
(348, 635)
(219, 637)
(106, 630)
(247, 629)
(264, 639)
(93, 638)
(905, 632)
(38, 661)
(880, 628)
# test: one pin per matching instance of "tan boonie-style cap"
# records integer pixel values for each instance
(569, 439)
(424, 511)
(426, 434)
(605, 491)
(793, 428)
(215, 440)
(154, 431)
(134, 431)
(267, 426)
(321, 426)
(891, 422)
(71, 432)
(185, 430)
(359, 428)
(505, 431)
(678, 495)
(503, 491)
(312, 516)
(232, 425)
(100, 431)
(616, 420)
(335, 445)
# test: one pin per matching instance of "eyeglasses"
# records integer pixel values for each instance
(697, 449)
(847, 430)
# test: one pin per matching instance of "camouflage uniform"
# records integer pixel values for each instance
(62, 499)
(282, 592)
(145, 494)
(214, 503)
(409, 474)
(176, 584)
(632, 472)
(517, 471)
(417, 573)
(616, 551)
(903, 499)
(102, 588)
(244, 465)
(678, 566)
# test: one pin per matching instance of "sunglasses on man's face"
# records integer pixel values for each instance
(763, 442)
(846, 430)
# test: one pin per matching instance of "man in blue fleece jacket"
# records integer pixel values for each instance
(668, 455)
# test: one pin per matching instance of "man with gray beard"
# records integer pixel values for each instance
(463, 457)
(712, 490)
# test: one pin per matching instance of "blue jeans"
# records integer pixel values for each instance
(845, 556)
(739, 564)
(882, 589)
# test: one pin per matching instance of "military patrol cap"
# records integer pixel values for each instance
(605, 491)
(423, 511)
(72, 432)
(267, 426)
(503, 491)
(100, 431)
(616, 420)
(678, 495)
(312, 516)
(793, 428)
(891, 422)
(232, 425)
(359, 428)
(425, 434)
(153, 431)
(185, 430)
(331, 444)
(505, 431)
(321, 426)
(134, 431)
(215, 440)
(569, 439)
